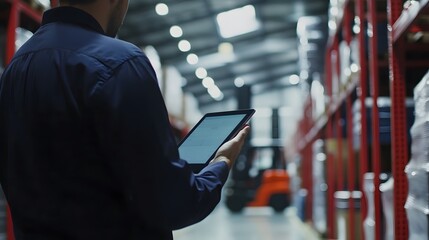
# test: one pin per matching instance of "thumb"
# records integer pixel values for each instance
(242, 134)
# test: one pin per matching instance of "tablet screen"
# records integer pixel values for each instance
(200, 145)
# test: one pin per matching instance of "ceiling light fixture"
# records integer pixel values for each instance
(201, 73)
(215, 93)
(192, 58)
(161, 9)
(239, 82)
(237, 21)
(176, 31)
(184, 45)
(294, 79)
(226, 48)
(208, 82)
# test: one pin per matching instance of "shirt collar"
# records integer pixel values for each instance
(73, 16)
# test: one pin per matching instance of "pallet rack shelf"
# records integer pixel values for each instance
(400, 20)
(337, 121)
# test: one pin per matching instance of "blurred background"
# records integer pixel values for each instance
(221, 55)
(339, 141)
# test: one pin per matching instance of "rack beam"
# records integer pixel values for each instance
(405, 17)
(362, 94)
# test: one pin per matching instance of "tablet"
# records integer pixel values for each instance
(199, 146)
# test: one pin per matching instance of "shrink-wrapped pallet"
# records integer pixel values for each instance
(417, 170)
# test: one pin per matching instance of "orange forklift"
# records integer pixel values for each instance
(259, 177)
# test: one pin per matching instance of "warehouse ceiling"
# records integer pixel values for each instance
(264, 58)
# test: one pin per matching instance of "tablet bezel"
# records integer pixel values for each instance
(248, 113)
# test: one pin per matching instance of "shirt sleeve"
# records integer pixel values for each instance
(135, 135)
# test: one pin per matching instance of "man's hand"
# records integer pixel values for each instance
(229, 151)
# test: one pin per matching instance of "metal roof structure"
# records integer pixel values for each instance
(264, 58)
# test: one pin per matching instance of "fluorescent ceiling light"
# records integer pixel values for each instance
(208, 82)
(294, 79)
(237, 21)
(161, 9)
(192, 59)
(184, 45)
(239, 82)
(201, 73)
(215, 93)
(176, 31)
(226, 48)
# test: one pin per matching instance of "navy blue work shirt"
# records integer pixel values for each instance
(86, 149)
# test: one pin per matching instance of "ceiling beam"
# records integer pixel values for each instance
(229, 77)
(197, 88)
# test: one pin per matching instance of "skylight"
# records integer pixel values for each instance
(237, 21)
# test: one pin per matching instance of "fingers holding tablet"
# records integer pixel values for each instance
(229, 151)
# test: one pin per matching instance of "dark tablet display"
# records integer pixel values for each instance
(202, 142)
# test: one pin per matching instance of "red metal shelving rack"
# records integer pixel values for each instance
(335, 127)
(400, 20)
(330, 125)
(329, 122)
(348, 36)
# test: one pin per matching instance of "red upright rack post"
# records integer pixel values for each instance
(309, 207)
(10, 51)
(351, 163)
(348, 16)
(331, 185)
(339, 160)
(398, 122)
(11, 28)
(17, 8)
(330, 178)
(373, 67)
(362, 93)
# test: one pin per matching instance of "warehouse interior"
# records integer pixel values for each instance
(317, 165)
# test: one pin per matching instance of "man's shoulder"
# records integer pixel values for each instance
(121, 46)
(62, 39)
(115, 51)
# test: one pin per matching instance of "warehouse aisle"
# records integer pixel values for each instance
(252, 224)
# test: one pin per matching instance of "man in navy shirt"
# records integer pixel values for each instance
(86, 149)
